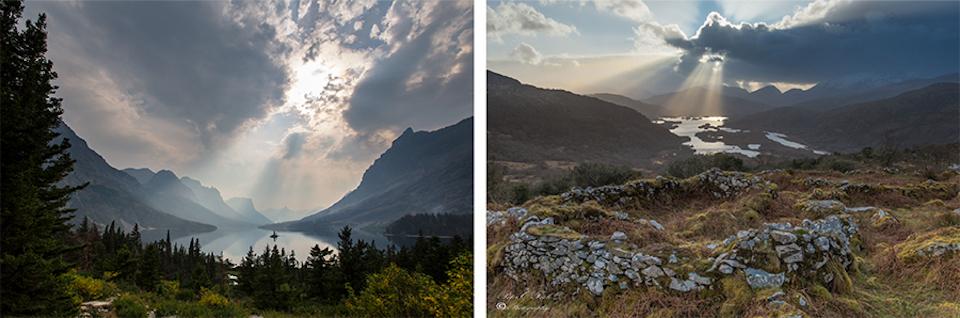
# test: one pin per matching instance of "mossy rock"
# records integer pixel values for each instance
(909, 250)
(554, 231)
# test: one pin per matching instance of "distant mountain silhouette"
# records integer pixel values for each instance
(210, 198)
(929, 115)
(114, 195)
(244, 207)
(839, 92)
(531, 124)
(283, 214)
(421, 172)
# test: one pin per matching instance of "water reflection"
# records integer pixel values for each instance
(690, 126)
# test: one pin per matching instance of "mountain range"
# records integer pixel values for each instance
(736, 102)
(421, 172)
(154, 201)
(114, 196)
(534, 125)
(929, 115)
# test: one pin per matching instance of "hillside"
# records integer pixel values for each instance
(421, 172)
(113, 195)
(877, 241)
(923, 116)
(533, 125)
(648, 110)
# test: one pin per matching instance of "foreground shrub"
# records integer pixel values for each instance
(130, 305)
(394, 292)
(88, 288)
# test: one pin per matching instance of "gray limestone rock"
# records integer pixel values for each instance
(758, 278)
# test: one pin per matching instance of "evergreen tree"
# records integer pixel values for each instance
(318, 273)
(33, 217)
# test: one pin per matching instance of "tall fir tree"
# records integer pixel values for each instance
(33, 213)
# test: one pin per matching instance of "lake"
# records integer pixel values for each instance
(234, 243)
(690, 126)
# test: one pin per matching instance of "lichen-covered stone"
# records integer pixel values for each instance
(759, 279)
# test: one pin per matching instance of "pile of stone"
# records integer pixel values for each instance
(823, 207)
(500, 217)
(593, 264)
(800, 250)
(937, 249)
(719, 183)
(596, 264)
(728, 184)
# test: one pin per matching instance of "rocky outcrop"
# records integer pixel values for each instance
(768, 257)
(935, 244)
(719, 184)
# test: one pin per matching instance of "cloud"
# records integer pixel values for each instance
(832, 39)
(426, 79)
(205, 72)
(277, 100)
(635, 10)
(526, 54)
(522, 19)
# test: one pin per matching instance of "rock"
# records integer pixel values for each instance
(595, 286)
(652, 271)
(696, 278)
(824, 207)
(726, 269)
(823, 243)
(646, 259)
(517, 212)
(802, 301)
(787, 249)
(599, 264)
(534, 221)
(596, 245)
(618, 236)
(777, 295)
(759, 279)
(682, 285)
(632, 274)
(621, 215)
(668, 272)
(494, 217)
(783, 237)
(673, 259)
(656, 225)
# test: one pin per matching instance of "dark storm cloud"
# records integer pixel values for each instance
(427, 82)
(830, 40)
(187, 62)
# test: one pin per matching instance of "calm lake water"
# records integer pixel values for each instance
(690, 126)
(234, 243)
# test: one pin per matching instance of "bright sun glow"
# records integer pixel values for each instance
(702, 89)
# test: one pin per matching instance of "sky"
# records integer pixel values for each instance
(287, 102)
(640, 48)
